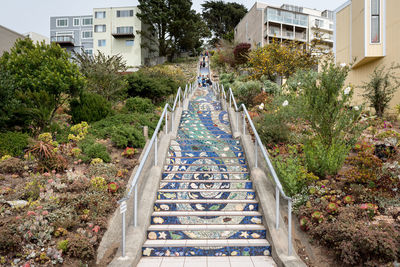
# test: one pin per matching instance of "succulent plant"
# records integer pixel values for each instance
(317, 216)
(332, 208)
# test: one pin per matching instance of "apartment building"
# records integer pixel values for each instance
(265, 23)
(8, 38)
(74, 33)
(116, 31)
(36, 37)
(367, 35)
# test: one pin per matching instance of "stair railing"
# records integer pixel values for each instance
(189, 88)
(259, 145)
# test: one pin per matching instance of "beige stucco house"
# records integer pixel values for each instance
(8, 38)
(367, 34)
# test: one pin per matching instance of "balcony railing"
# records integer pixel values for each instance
(123, 32)
(63, 40)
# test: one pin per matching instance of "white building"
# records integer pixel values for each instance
(36, 37)
(116, 31)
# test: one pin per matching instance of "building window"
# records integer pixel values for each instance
(100, 14)
(319, 23)
(375, 21)
(124, 30)
(87, 21)
(101, 43)
(62, 22)
(76, 21)
(124, 13)
(100, 28)
(89, 51)
(129, 42)
(87, 34)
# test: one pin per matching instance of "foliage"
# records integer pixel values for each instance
(80, 247)
(294, 83)
(275, 59)
(8, 104)
(98, 183)
(90, 107)
(125, 129)
(9, 240)
(36, 229)
(129, 152)
(63, 245)
(11, 165)
(379, 90)
(172, 26)
(270, 87)
(78, 131)
(92, 150)
(366, 168)
(323, 159)
(138, 104)
(13, 143)
(335, 127)
(146, 84)
(48, 157)
(292, 174)
(222, 17)
(103, 74)
(245, 92)
(42, 79)
(227, 79)
(241, 52)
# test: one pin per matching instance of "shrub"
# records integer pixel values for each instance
(365, 169)
(140, 105)
(80, 247)
(9, 240)
(11, 165)
(227, 79)
(92, 150)
(323, 159)
(63, 245)
(270, 87)
(48, 157)
(380, 89)
(241, 52)
(245, 92)
(13, 143)
(128, 136)
(272, 128)
(90, 107)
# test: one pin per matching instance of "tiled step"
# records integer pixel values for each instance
(180, 232)
(207, 247)
(213, 128)
(206, 217)
(187, 141)
(221, 205)
(205, 176)
(203, 132)
(208, 154)
(205, 184)
(205, 160)
(203, 147)
(205, 136)
(221, 193)
(205, 168)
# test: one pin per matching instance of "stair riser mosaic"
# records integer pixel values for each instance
(206, 184)
(206, 195)
(203, 161)
(205, 207)
(205, 176)
(205, 148)
(207, 251)
(204, 234)
(202, 141)
(225, 220)
(205, 168)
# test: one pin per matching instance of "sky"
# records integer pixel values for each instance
(25, 16)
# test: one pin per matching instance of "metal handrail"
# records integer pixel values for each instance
(153, 141)
(278, 186)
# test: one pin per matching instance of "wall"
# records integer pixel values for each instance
(7, 39)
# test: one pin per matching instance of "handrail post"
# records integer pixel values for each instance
(230, 100)
(179, 99)
(135, 203)
(244, 124)
(277, 196)
(172, 120)
(123, 234)
(237, 120)
(166, 121)
(155, 151)
(290, 227)
(256, 152)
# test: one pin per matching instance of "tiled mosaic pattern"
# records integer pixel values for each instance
(206, 196)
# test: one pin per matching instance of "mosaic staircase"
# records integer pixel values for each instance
(206, 205)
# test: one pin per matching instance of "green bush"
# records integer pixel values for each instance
(270, 87)
(323, 159)
(245, 92)
(125, 128)
(227, 79)
(272, 128)
(13, 143)
(90, 107)
(138, 104)
(92, 150)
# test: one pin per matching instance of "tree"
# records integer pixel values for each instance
(103, 74)
(222, 18)
(42, 78)
(380, 89)
(241, 53)
(280, 59)
(174, 25)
